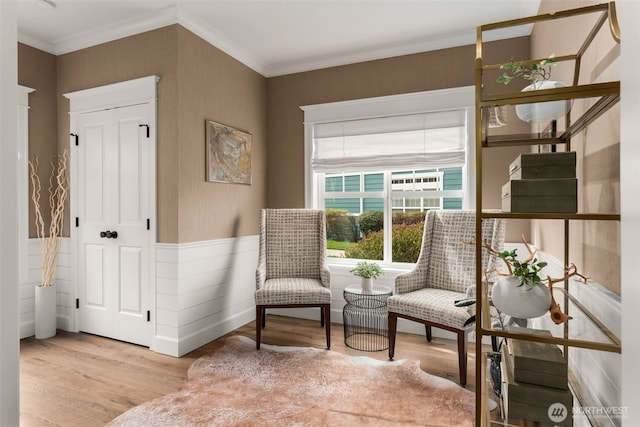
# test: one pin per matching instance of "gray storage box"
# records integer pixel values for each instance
(543, 166)
(533, 402)
(541, 195)
(538, 363)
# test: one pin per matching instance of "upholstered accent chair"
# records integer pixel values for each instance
(445, 272)
(292, 270)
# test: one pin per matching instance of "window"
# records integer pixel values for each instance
(385, 161)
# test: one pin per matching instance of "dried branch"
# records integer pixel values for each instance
(58, 192)
(557, 315)
(494, 252)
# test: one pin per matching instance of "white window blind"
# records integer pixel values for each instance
(415, 141)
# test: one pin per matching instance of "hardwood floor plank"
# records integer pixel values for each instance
(86, 380)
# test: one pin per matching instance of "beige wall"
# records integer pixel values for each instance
(214, 86)
(38, 71)
(594, 246)
(153, 52)
(411, 73)
(197, 82)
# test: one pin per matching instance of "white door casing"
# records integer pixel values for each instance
(113, 189)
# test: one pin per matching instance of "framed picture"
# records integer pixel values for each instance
(228, 154)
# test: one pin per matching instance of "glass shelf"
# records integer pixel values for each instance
(510, 130)
(584, 330)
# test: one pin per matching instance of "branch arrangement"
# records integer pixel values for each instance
(528, 270)
(58, 192)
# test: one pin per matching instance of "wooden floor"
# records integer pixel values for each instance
(85, 380)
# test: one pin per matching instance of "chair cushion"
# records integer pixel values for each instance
(433, 305)
(292, 291)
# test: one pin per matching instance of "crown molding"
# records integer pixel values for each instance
(36, 42)
(177, 15)
(220, 41)
(104, 34)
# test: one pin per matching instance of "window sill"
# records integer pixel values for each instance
(346, 264)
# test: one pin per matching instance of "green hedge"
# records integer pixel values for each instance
(407, 241)
(409, 218)
(370, 222)
(370, 247)
(341, 225)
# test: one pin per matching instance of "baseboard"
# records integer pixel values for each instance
(182, 346)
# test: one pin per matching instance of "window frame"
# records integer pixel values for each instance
(461, 98)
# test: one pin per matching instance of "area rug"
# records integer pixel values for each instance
(292, 386)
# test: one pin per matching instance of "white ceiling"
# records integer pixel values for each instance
(274, 37)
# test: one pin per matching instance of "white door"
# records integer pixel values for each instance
(113, 236)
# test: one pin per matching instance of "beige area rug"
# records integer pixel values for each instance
(292, 386)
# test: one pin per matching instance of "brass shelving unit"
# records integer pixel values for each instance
(604, 95)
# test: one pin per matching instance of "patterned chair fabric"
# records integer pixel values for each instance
(292, 269)
(444, 272)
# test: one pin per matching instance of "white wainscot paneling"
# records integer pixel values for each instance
(204, 290)
(64, 291)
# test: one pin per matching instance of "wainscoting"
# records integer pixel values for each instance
(203, 291)
(30, 278)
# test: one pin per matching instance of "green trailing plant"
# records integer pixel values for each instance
(533, 72)
(367, 270)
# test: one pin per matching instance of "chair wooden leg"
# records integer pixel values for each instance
(264, 318)
(326, 311)
(393, 323)
(462, 357)
(259, 320)
(427, 329)
(321, 316)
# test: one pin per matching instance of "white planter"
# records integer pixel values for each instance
(543, 111)
(523, 302)
(366, 285)
(45, 311)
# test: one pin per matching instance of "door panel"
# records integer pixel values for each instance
(94, 275)
(114, 181)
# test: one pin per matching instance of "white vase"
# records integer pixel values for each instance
(523, 302)
(45, 311)
(366, 285)
(543, 111)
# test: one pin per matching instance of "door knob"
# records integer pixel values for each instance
(111, 234)
(103, 234)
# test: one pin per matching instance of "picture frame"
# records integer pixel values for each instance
(228, 154)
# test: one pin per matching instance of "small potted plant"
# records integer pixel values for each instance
(368, 271)
(539, 75)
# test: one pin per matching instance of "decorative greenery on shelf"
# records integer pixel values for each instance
(526, 270)
(367, 270)
(533, 72)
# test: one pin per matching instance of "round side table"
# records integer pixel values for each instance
(365, 318)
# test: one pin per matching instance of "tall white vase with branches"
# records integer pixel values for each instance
(45, 292)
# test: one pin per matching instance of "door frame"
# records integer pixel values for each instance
(123, 94)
